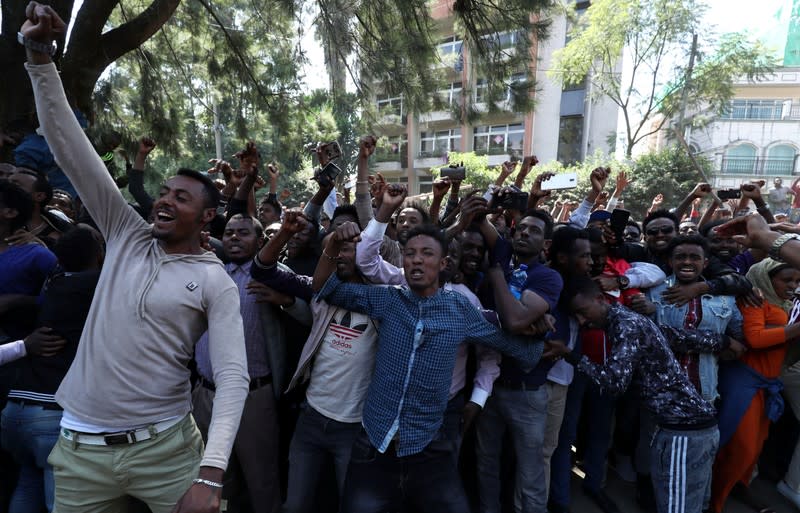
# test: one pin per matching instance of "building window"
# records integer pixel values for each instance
(449, 46)
(482, 88)
(439, 143)
(570, 139)
(498, 139)
(754, 109)
(739, 160)
(452, 94)
(389, 105)
(780, 160)
(393, 151)
(505, 40)
(425, 183)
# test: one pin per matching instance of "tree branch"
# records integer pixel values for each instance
(117, 42)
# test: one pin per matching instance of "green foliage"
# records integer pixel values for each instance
(656, 37)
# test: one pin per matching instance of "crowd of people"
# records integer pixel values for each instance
(199, 349)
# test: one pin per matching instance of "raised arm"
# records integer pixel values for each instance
(331, 253)
(366, 147)
(701, 190)
(136, 175)
(71, 149)
(368, 259)
(294, 222)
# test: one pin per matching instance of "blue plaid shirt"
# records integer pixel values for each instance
(417, 342)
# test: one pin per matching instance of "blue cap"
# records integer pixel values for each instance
(600, 215)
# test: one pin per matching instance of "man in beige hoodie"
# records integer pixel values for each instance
(127, 428)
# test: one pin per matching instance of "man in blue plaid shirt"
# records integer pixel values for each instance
(401, 455)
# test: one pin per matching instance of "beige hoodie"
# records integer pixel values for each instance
(149, 308)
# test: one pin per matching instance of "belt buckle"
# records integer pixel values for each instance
(127, 437)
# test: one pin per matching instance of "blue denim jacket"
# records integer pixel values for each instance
(720, 315)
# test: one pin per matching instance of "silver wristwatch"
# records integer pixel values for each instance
(36, 46)
(775, 249)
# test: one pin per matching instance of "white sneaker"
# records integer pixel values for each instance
(791, 495)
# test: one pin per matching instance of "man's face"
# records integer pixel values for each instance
(777, 182)
(422, 262)
(64, 204)
(529, 237)
(239, 241)
(687, 262)
(632, 234)
(687, 228)
(299, 241)
(179, 212)
(27, 183)
(723, 248)
(599, 255)
(453, 262)
(473, 249)
(268, 214)
(271, 230)
(346, 261)
(590, 311)
(658, 233)
(406, 221)
(580, 259)
(341, 219)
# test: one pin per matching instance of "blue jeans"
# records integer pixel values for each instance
(29, 433)
(583, 395)
(316, 438)
(524, 414)
(426, 482)
(680, 463)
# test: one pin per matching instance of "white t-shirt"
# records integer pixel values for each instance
(346, 358)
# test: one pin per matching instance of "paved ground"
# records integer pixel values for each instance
(625, 496)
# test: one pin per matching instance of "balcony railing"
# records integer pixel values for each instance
(759, 166)
(390, 156)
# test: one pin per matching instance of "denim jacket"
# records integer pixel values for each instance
(720, 315)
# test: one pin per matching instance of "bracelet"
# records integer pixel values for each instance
(775, 249)
(206, 482)
(362, 181)
(326, 255)
(36, 46)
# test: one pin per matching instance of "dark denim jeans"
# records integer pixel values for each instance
(29, 433)
(316, 438)
(584, 396)
(426, 482)
(680, 464)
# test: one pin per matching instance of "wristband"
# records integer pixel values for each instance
(326, 255)
(206, 482)
(775, 249)
(36, 46)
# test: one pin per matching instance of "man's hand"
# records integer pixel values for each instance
(622, 183)
(658, 200)
(44, 342)
(680, 294)
(377, 184)
(347, 232)
(507, 169)
(640, 304)
(146, 145)
(22, 237)
(393, 197)
(754, 298)
(598, 178)
(536, 188)
(468, 415)
(554, 350)
(472, 208)
(265, 294)
(751, 191)
(248, 156)
(272, 172)
(201, 498)
(440, 187)
(734, 351)
(366, 146)
(43, 24)
(221, 166)
(294, 221)
(701, 190)
(785, 227)
(606, 282)
(205, 241)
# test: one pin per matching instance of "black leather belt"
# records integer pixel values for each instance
(255, 383)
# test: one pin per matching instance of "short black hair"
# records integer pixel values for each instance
(272, 202)
(15, 197)
(659, 214)
(429, 230)
(426, 218)
(578, 285)
(76, 249)
(212, 195)
(42, 184)
(634, 224)
(345, 210)
(544, 216)
(694, 240)
(595, 235)
(257, 227)
(564, 240)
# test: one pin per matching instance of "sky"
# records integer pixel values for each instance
(765, 19)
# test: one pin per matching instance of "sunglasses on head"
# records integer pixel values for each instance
(664, 230)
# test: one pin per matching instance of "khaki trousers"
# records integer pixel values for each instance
(97, 478)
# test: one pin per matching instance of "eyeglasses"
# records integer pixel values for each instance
(664, 230)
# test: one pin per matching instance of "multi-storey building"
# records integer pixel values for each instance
(759, 134)
(566, 124)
